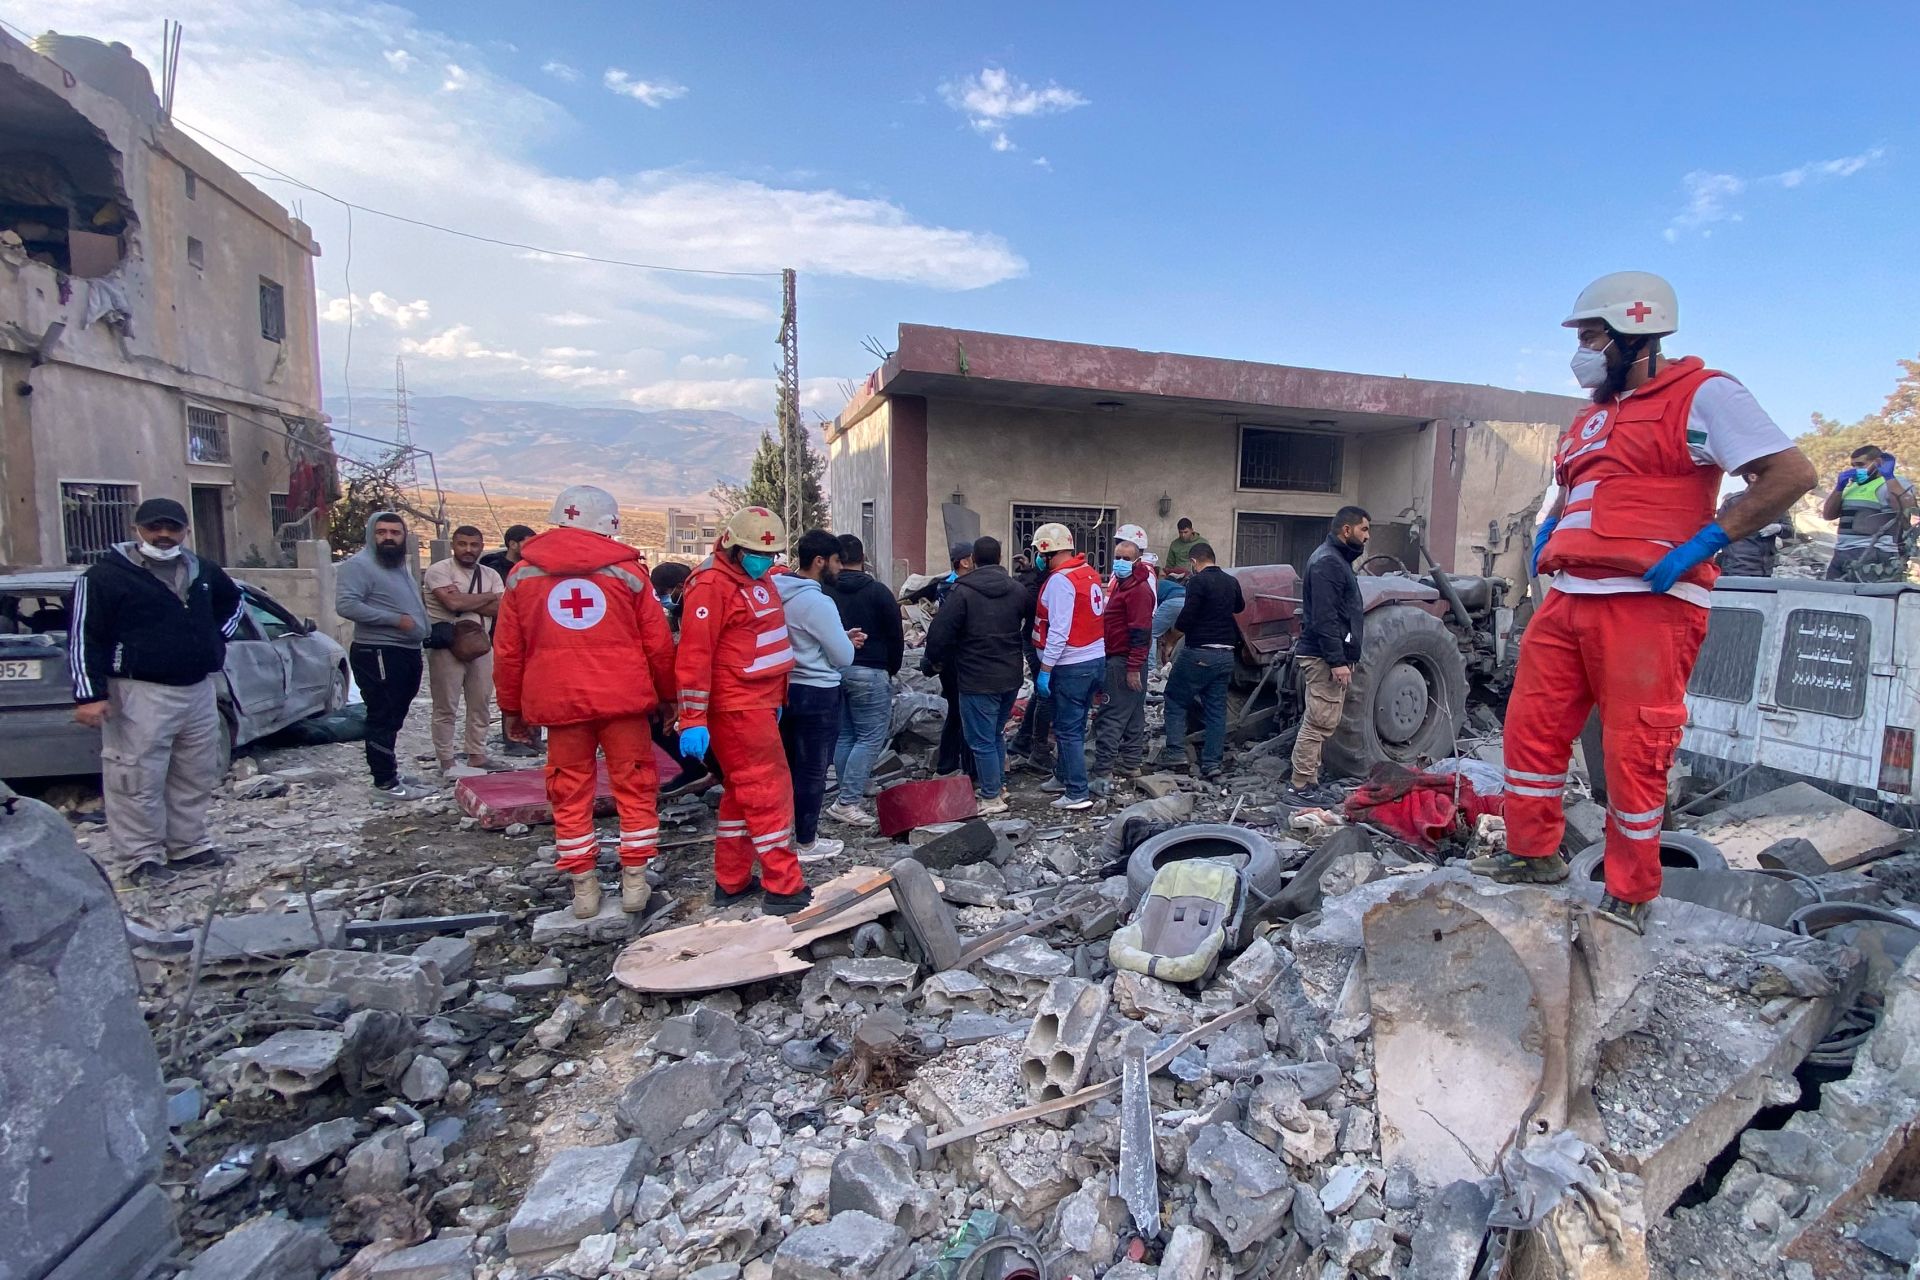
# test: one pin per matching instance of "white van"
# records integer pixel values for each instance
(1811, 681)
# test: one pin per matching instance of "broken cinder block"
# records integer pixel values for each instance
(1059, 1048)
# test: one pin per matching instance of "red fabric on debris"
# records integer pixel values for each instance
(1421, 808)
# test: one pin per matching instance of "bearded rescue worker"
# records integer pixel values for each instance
(1071, 635)
(1629, 544)
(733, 665)
(582, 648)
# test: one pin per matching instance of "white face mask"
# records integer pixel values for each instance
(152, 552)
(1590, 366)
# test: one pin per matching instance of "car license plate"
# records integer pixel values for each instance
(19, 669)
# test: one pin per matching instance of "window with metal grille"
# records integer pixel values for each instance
(207, 436)
(273, 311)
(193, 184)
(196, 253)
(1260, 538)
(1823, 663)
(95, 516)
(286, 533)
(1300, 461)
(1092, 529)
(1730, 657)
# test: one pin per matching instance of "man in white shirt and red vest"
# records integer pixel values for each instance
(1071, 635)
(1627, 552)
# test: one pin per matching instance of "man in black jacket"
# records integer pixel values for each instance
(147, 638)
(1205, 663)
(1033, 740)
(976, 636)
(1333, 626)
(866, 705)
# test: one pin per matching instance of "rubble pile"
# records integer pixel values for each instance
(1390, 1070)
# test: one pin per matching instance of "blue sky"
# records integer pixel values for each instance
(1385, 188)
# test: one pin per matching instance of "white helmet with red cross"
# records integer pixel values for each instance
(1636, 303)
(1131, 533)
(754, 529)
(583, 506)
(1049, 538)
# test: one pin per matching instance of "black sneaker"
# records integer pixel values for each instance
(209, 856)
(149, 875)
(727, 897)
(1628, 915)
(1314, 797)
(787, 904)
(684, 782)
(1511, 868)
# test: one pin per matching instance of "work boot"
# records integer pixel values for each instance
(727, 897)
(1511, 868)
(1628, 915)
(586, 894)
(787, 904)
(635, 892)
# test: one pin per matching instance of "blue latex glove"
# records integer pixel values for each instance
(777, 713)
(694, 742)
(1698, 549)
(1540, 544)
(1043, 684)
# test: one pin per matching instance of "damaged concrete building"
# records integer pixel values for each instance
(1025, 431)
(157, 324)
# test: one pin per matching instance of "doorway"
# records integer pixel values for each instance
(1260, 538)
(210, 522)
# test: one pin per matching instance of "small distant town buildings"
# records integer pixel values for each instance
(1021, 432)
(690, 534)
(157, 325)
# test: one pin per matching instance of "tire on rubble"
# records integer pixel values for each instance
(1408, 699)
(1678, 849)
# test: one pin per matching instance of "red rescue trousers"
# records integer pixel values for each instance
(756, 810)
(628, 744)
(1631, 654)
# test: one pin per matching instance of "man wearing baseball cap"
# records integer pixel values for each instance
(148, 634)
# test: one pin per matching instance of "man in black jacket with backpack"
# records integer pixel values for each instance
(147, 638)
(1333, 629)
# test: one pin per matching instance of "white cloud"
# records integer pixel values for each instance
(651, 93)
(402, 315)
(567, 353)
(305, 86)
(1712, 197)
(398, 59)
(458, 78)
(993, 98)
(751, 397)
(696, 365)
(561, 71)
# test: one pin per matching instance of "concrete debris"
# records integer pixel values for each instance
(868, 983)
(552, 1032)
(1243, 1190)
(1186, 1256)
(1059, 1048)
(1836, 829)
(378, 1047)
(583, 1191)
(953, 991)
(269, 1247)
(851, 1243)
(366, 980)
(448, 1258)
(378, 1166)
(454, 957)
(561, 928)
(294, 1156)
(289, 1063)
(1446, 1246)
(426, 1079)
(705, 1030)
(877, 1178)
(677, 1103)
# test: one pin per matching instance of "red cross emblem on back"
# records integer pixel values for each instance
(1638, 312)
(577, 604)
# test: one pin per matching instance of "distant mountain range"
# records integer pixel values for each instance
(532, 449)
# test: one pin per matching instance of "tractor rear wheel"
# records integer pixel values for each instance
(1408, 698)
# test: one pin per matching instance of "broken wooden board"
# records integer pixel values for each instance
(498, 800)
(715, 954)
(1837, 829)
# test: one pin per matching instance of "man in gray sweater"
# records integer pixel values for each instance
(375, 590)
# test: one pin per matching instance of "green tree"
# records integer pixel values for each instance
(369, 487)
(1895, 428)
(766, 484)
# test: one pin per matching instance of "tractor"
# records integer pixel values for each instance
(1432, 643)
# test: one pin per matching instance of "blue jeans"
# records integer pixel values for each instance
(984, 717)
(864, 720)
(1073, 689)
(1203, 674)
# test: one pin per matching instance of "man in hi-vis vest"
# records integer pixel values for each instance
(1627, 553)
(1872, 505)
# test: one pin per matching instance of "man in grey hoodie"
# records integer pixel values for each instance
(375, 590)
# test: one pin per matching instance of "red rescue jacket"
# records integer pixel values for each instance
(1633, 491)
(580, 636)
(734, 652)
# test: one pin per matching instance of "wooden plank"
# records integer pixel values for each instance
(715, 954)
(1838, 830)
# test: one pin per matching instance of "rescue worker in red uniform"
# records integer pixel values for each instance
(1071, 636)
(732, 668)
(1628, 544)
(583, 650)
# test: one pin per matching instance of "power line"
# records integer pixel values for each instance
(473, 235)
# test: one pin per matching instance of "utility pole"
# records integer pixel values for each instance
(792, 433)
(402, 424)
